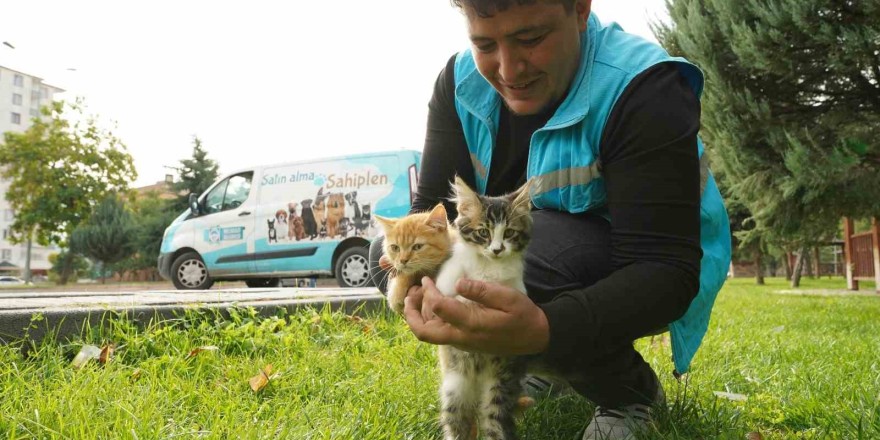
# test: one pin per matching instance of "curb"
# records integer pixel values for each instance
(18, 323)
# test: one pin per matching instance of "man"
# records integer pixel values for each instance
(630, 235)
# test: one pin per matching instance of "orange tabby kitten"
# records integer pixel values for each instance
(416, 246)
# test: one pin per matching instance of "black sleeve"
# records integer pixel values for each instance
(445, 152)
(651, 171)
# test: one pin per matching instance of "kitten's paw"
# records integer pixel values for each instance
(395, 296)
(395, 305)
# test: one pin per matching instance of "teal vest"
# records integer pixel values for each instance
(564, 154)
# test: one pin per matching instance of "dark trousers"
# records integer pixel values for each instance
(572, 251)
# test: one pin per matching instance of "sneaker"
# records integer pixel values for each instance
(542, 387)
(622, 423)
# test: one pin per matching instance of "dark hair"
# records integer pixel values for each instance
(487, 8)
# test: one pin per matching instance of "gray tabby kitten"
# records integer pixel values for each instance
(480, 389)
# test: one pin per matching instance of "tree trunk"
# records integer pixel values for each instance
(798, 268)
(759, 267)
(66, 268)
(27, 261)
(786, 263)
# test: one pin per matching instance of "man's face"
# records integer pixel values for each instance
(529, 53)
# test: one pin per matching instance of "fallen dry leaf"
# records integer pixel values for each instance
(354, 318)
(135, 375)
(316, 319)
(260, 381)
(86, 353)
(106, 354)
(197, 350)
(754, 435)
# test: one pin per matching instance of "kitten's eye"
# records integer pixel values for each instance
(483, 233)
(394, 248)
(509, 233)
(416, 247)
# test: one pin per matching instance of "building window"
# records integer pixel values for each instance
(36, 256)
(6, 254)
(8, 214)
(16, 99)
(44, 92)
(18, 80)
(35, 95)
(35, 112)
(6, 233)
(16, 118)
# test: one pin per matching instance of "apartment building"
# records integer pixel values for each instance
(21, 96)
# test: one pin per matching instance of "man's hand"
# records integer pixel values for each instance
(501, 320)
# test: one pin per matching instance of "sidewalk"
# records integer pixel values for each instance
(68, 311)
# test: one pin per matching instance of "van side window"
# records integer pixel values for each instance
(229, 194)
(237, 191)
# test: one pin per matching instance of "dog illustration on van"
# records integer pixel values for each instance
(299, 219)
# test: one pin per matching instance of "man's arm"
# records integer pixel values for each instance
(445, 152)
(651, 171)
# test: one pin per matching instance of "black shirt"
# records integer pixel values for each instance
(650, 166)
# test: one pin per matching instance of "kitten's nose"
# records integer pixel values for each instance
(498, 251)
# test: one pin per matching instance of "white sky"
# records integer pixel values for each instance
(264, 83)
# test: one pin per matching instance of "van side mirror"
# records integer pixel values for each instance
(194, 204)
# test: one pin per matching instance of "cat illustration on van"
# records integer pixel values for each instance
(335, 213)
(319, 211)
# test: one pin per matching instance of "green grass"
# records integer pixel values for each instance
(809, 364)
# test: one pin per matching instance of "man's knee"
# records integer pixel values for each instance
(567, 251)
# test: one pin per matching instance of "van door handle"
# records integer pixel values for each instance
(244, 213)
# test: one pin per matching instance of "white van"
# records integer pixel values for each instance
(311, 218)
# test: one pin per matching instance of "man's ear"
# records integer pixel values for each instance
(582, 9)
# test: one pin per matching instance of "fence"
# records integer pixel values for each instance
(862, 254)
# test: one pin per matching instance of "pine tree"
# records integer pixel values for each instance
(108, 236)
(195, 175)
(791, 108)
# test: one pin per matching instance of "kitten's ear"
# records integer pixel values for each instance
(386, 223)
(521, 198)
(437, 218)
(466, 200)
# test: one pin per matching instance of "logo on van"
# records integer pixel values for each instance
(217, 234)
(298, 176)
(356, 180)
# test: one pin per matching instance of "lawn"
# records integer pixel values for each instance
(796, 366)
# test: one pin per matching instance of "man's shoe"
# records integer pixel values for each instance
(542, 387)
(622, 423)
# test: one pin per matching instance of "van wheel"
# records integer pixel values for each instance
(188, 272)
(263, 282)
(352, 268)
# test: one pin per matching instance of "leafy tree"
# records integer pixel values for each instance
(108, 236)
(59, 170)
(151, 216)
(791, 109)
(67, 266)
(195, 175)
